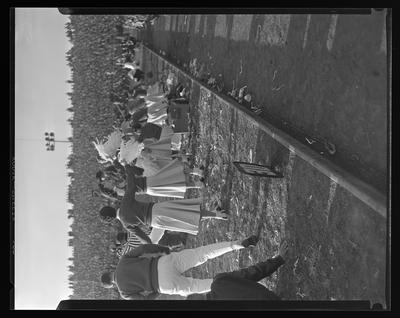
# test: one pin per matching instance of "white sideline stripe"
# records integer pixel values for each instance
(241, 27)
(332, 30)
(220, 26)
(306, 31)
(332, 192)
(383, 47)
(289, 167)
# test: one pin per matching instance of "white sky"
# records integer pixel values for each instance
(41, 181)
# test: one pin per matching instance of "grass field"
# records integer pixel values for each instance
(338, 244)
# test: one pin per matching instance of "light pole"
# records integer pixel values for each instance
(51, 142)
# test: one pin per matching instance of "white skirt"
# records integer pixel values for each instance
(170, 181)
(151, 166)
(160, 150)
(177, 215)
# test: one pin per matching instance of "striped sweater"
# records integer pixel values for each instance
(132, 242)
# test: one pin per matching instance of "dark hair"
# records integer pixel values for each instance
(122, 237)
(107, 192)
(137, 126)
(108, 213)
(99, 174)
(106, 280)
(139, 91)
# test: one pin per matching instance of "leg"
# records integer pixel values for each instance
(258, 271)
(188, 285)
(196, 173)
(220, 215)
(172, 282)
(189, 258)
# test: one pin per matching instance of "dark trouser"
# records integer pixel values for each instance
(243, 283)
(139, 75)
(258, 271)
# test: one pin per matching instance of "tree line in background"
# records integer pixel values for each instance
(91, 60)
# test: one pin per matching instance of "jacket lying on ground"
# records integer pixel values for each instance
(137, 275)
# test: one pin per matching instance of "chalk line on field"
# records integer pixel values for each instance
(306, 31)
(332, 192)
(332, 31)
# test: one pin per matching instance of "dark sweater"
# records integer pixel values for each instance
(243, 284)
(138, 115)
(134, 213)
(135, 275)
(150, 130)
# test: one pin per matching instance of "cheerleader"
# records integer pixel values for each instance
(181, 215)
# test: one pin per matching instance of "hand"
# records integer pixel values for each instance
(250, 241)
(283, 249)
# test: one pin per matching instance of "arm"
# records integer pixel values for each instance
(145, 239)
(156, 235)
(130, 179)
(138, 171)
(148, 249)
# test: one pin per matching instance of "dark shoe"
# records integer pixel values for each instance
(250, 241)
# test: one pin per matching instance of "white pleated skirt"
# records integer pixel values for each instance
(160, 149)
(177, 215)
(170, 181)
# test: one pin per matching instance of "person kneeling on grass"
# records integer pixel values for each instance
(243, 283)
(151, 269)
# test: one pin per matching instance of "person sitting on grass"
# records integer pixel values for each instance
(243, 284)
(151, 269)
